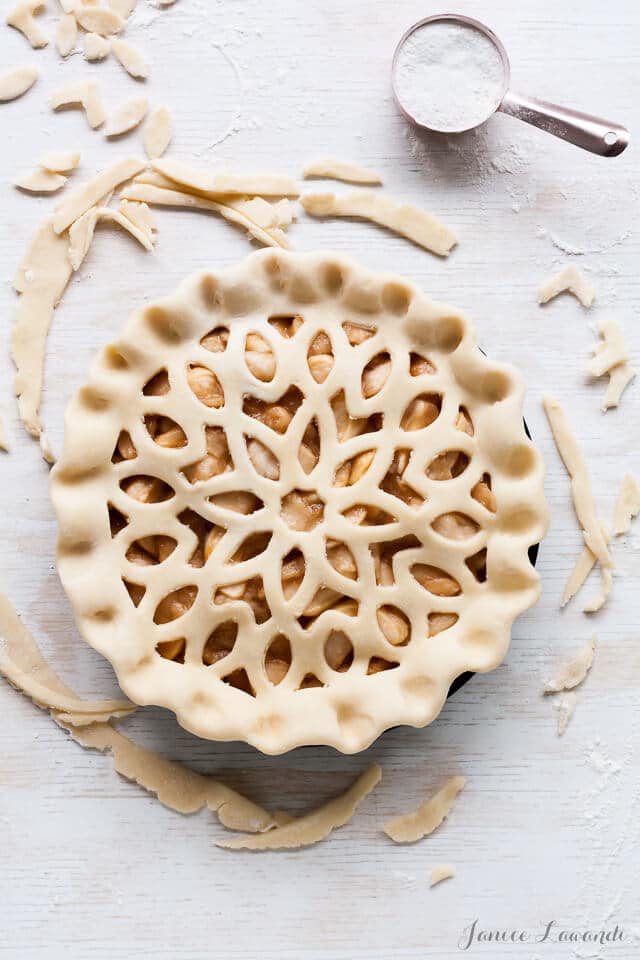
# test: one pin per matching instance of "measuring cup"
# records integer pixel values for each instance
(586, 131)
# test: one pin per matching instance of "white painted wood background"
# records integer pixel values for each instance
(547, 828)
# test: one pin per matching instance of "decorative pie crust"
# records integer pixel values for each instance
(295, 503)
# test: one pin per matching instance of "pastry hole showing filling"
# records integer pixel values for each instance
(320, 357)
(216, 340)
(421, 412)
(220, 642)
(277, 659)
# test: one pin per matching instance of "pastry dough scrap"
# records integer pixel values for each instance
(40, 280)
(422, 821)
(610, 357)
(127, 116)
(315, 826)
(442, 871)
(627, 505)
(16, 83)
(569, 280)
(81, 94)
(157, 133)
(214, 185)
(572, 673)
(4, 443)
(40, 181)
(66, 34)
(131, 59)
(580, 485)
(22, 18)
(101, 20)
(140, 215)
(81, 232)
(176, 786)
(583, 567)
(331, 169)
(402, 218)
(90, 193)
(60, 161)
(307, 577)
(95, 47)
(172, 198)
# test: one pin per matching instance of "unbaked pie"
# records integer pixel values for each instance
(295, 503)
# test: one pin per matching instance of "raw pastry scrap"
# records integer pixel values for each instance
(402, 218)
(580, 485)
(627, 505)
(60, 161)
(90, 193)
(610, 357)
(4, 443)
(303, 475)
(84, 94)
(422, 821)
(157, 133)
(566, 709)
(442, 871)
(176, 786)
(16, 83)
(583, 567)
(131, 59)
(101, 20)
(81, 232)
(128, 115)
(40, 181)
(95, 47)
(572, 673)
(40, 280)
(140, 216)
(45, 449)
(569, 280)
(23, 667)
(332, 169)
(230, 211)
(66, 34)
(315, 826)
(22, 18)
(216, 185)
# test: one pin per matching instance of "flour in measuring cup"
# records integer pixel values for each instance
(449, 76)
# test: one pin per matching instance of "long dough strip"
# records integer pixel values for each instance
(329, 168)
(610, 351)
(91, 192)
(176, 786)
(402, 218)
(580, 486)
(41, 280)
(82, 231)
(172, 198)
(214, 185)
(314, 826)
(583, 567)
(422, 821)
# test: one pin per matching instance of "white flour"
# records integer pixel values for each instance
(449, 76)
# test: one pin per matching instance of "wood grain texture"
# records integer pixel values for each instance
(547, 828)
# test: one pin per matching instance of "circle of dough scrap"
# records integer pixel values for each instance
(287, 504)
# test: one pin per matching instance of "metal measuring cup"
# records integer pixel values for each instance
(582, 129)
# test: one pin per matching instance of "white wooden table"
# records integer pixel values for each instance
(547, 828)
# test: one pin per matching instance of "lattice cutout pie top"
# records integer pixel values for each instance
(295, 502)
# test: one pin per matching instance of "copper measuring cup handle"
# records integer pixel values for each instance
(591, 133)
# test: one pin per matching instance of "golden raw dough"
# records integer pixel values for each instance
(98, 20)
(422, 821)
(131, 59)
(315, 826)
(572, 673)
(403, 218)
(127, 116)
(215, 185)
(22, 18)
(66, 34)
(16, 83)
(157, 133)
(321, 570)
(442, 871)
(611, 358)
(627, 505)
